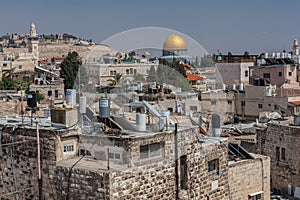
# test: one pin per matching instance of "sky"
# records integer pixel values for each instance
(237, 26)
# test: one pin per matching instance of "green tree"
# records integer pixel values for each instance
(69, 70)
(207, 62)
(7, 84)
(117, 79)
(39, 97)
(152, 75)
(10, 84)
(139, 77)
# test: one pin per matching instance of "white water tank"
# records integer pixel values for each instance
(139, 86)
(233, 87)
(47, 112)
(82, 104)
(269, 91)
(141, 121)
(241, 87)
(266, 55)
(166, 115)
(71, 97)
(223, 87)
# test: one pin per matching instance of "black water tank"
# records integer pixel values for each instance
(216, 121)
(236, 119)
(31, 99)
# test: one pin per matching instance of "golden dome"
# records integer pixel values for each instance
(174, 42)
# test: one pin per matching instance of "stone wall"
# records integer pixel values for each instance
(18, 164)
(249, 176)
(83, 184)
(155, 178)
(281, 142)
(19, 170)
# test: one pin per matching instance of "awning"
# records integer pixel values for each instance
(193, 77)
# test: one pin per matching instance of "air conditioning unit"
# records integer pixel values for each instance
(256, 196)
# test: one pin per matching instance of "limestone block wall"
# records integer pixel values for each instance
(155, 179)
(249, 176)
(281, 142)
(19, 171)
(83, 184)
(18, 165)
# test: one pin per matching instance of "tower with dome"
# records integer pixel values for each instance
(175, 47)
(33, 42)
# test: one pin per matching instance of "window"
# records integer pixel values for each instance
(282, 153)
(276, 107)
(68, 148)
(153, 150)
(267, 75)
(277, 153)
(255, 196)
(290, 73)
(134, 71)
(84, 152)
(246, 73)
(127, 71)
(260, 106)
(131, 70)
(20, 66)
(4, 64)
(49, 93)
(112, 73)
(193, 108)
(183, 173)
(243, 103)
(213, 166)
(213, 102)
(279, 73)
(229, 101)
(56, 93)
(114, 156)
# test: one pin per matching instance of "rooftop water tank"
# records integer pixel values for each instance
(31, 99)
(82, 104)
(71, 97)
(141, 121)
(297, 120)
(104, 108)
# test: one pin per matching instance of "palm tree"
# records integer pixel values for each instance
(117, 79)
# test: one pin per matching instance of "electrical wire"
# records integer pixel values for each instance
(213, 171)
(70, 170)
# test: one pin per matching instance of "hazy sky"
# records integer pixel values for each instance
(228, 25)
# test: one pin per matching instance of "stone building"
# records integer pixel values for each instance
(100, 74)
(98, 161)
(232, 69)
(250, 178)
(281, 142)
(48, 83)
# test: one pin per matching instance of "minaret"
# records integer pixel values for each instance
(295, 47)
(33, 42)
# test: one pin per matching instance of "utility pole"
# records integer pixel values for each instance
(176, 164)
